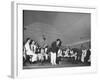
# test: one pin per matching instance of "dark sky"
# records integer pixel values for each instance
(69, 27)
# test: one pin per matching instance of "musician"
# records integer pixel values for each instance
(33, 47)
(55, 47)
(26, 50)
(87, 56)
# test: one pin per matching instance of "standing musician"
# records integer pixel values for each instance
(54, 48)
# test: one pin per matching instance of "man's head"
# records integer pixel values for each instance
(28, 40)
(58, 42)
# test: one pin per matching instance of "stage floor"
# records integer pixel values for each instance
(63, 63)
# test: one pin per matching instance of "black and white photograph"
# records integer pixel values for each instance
(55, 39)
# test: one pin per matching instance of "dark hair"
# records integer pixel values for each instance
(59, 41)
(27, 39)
(46, 46)
(30, 42)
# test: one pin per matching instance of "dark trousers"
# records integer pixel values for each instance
(58, 59)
